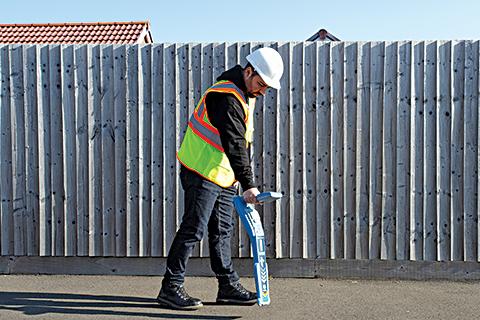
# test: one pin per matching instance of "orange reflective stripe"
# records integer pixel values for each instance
(208, 134)
(206, 137)
(205, 130)
(207, 125)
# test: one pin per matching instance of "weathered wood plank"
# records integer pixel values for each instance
(430, 222)
(145, 147)
(45, 178)
(171, 119)
(82, 155)
(297, 236)
(403, 149)
(56, 126)
(194, 96)
(31, 65)
(389, 152)
(158, 213)
(6, 183)
(350, 115)
(444, 123)
(132, 150)
(120, 147)
(18, 148)
(323, 157)
(418, 163)
(231, 61)
(108, 151)
(363, 151)
(269, 163)
(305, 268)
(95, 152)
(471, 150)
(376, 147)
(282, 225)
(69, 147)
(457, 150)
(182, 101)
(310, 146)
(337, 149)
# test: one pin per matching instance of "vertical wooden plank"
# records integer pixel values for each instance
(108, 151)
(95, 152)
(417, 163)
(182, 93)
(145, 145)
(350, 115)
(232, 61)
(310, 145)
(471, 68)
(6, 184)
(31, 66)
(444, 134)
(270, 139)
(459, 176)
(337, 149)
(363, 151)
(194, 91)
(430, 229)
(69, 146)
(323, 155)
(274, 159)
(215, 57)
(18, 149)
(244, 241)
(194, 94)
(297, 236)
(403, 149)
(257, 108)
(282, 225)
(389, 155)
(376, 147)
(120, 147)
(132, 150)
(82, 155)
(207, 79)
(171, 120)
(45, 178)
(58, 191)
(158, 213)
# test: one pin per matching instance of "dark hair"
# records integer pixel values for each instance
(253, 69)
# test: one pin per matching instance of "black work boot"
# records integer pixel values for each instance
(175, 296)
(235, 293)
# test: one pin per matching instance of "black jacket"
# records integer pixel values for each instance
(226, 113)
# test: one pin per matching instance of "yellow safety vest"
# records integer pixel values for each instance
(201, 149)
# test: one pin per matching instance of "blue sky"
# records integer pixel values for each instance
(265, 20)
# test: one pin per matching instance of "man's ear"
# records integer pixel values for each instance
(248, 72)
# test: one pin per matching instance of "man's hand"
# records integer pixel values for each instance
(250, 195)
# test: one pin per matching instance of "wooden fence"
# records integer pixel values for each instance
(374, 144)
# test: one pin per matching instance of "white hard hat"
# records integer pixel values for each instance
(268, 63)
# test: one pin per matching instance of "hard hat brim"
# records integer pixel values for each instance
(271, 83)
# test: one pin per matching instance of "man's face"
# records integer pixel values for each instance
(254, 83)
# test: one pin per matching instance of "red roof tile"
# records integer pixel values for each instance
(78, 33)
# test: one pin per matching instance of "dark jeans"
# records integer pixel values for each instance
(206, 204)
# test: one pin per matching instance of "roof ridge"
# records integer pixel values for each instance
(72, 24)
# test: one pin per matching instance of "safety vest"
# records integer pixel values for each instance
(201, 149)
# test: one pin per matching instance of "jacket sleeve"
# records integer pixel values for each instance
(226, 113)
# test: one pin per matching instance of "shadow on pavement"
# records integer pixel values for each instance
(37, 303)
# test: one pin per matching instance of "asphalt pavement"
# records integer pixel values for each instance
(132, 297)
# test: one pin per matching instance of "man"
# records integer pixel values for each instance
(214, 156)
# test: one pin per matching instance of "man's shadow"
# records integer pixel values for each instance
(37, 303)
